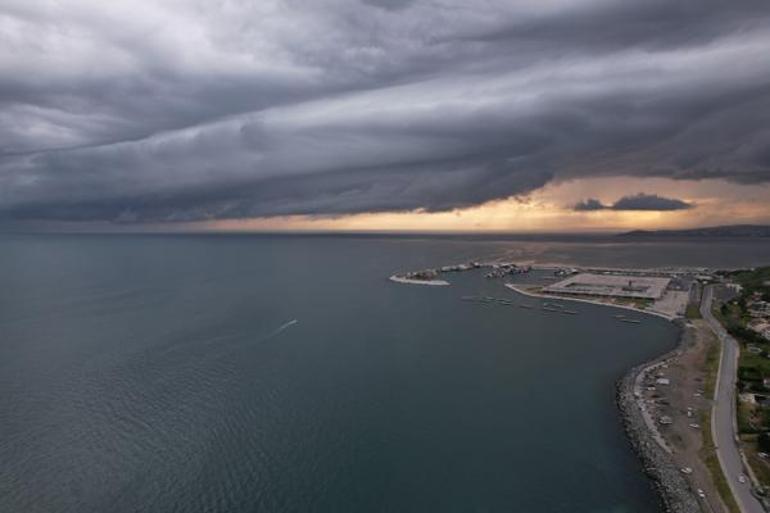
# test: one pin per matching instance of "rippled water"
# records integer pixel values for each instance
(245, 374)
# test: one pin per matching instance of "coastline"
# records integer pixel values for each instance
(672, 488)
(524, 292)
(649, 446)
(658, 464)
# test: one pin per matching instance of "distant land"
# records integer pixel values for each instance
(736, 230)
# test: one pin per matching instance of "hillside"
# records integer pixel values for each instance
(743, 230)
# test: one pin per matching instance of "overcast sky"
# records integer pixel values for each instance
(201, 110)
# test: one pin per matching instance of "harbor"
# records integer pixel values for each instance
(545, 306)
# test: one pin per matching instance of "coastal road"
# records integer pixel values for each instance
(723, 426)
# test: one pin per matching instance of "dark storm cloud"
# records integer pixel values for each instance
(189, 111)
(590, 204)
(639, 201)
(650, 202)
(389, 4)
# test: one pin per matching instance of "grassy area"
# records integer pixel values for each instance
(709, 457)
(760, 467)
(745, 415)
(717, 313)
(753, 366)
(729, 311)
(639, 303)
(711, 368)
(693, 312)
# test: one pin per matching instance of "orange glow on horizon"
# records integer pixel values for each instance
(549, 210)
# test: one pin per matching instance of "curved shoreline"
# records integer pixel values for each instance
(647, 443)
(659, 466)
(524, 292)
(671, 487)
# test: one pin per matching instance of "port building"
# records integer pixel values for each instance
(611, 285)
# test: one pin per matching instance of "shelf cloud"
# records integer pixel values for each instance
(641, 201)
(185, 111)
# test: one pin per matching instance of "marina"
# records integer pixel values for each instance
(546, 306)
(491, 300)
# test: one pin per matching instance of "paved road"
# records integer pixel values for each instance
(723, 427)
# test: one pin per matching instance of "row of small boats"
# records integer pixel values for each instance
(545, 307)
(623, 318)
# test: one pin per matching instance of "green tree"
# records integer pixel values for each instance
(763, 442)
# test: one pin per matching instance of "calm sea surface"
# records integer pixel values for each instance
(266, 374)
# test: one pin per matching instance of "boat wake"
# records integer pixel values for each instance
(283, 327)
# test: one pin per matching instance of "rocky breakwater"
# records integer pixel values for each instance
(674, 491)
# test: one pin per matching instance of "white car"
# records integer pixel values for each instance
(686, 470)
(701, 494)
(741, 479)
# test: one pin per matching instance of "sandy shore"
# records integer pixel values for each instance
(525, 292)
(400, 279)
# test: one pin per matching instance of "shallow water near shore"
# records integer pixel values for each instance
(250, 373)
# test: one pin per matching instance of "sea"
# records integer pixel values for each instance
(285, 373)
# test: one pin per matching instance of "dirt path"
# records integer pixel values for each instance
(683, 401)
